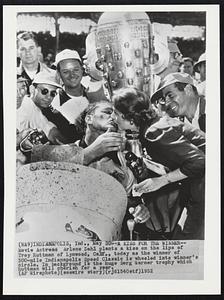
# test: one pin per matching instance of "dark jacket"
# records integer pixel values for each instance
(177, 145)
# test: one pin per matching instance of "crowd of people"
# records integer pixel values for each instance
(66, 103)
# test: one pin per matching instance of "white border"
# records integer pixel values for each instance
(211, 282)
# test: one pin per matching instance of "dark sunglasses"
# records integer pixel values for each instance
(45, 91)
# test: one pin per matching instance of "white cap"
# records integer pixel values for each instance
(200, 60)
(66, 54)
(47, 77)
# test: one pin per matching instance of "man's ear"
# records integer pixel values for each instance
(189, 90)
(89, 119)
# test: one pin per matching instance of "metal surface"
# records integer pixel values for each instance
(64, 201)
(124, 49)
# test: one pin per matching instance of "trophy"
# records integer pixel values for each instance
(124, 46)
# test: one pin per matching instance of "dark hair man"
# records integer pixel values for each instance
(187, 66)
(178, 97)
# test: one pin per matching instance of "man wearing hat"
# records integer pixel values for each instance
(178, 97)
(29, 115)
(200, 67)
(72, 99)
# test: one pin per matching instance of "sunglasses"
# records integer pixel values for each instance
(45, 91)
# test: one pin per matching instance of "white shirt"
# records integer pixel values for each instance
(30, 116)
(201, 87)
(72, 108)
(195, 119)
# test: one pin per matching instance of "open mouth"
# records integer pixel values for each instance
(172, 109)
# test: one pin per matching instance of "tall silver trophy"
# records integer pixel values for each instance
(124, 45)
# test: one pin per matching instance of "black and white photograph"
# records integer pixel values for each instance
(110, 146)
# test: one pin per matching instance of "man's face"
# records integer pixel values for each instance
(28, 51)
(176, 102)
(102, 118)
(188, 67)
(44, 95)
(71, 72)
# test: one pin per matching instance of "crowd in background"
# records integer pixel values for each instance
(64, 98)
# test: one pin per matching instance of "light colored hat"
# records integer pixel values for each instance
(66, 54)
(170, 79)
(200, 60)
(47, 78)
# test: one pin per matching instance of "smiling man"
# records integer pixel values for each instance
(178, 97)
(72, 100)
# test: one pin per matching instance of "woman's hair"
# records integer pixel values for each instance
(135, 106)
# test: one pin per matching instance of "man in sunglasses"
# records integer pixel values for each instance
(178, 97)
(29, 115)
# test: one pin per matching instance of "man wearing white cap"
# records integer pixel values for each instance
(29, 115)
(200, 67)
(178, 97)
(72, 100)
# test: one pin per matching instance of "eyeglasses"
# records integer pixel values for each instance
(162, 101)
(45, 91)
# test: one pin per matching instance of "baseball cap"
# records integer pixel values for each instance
(200, 60)
(66, 54)
(47, 78)
(170, 79)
